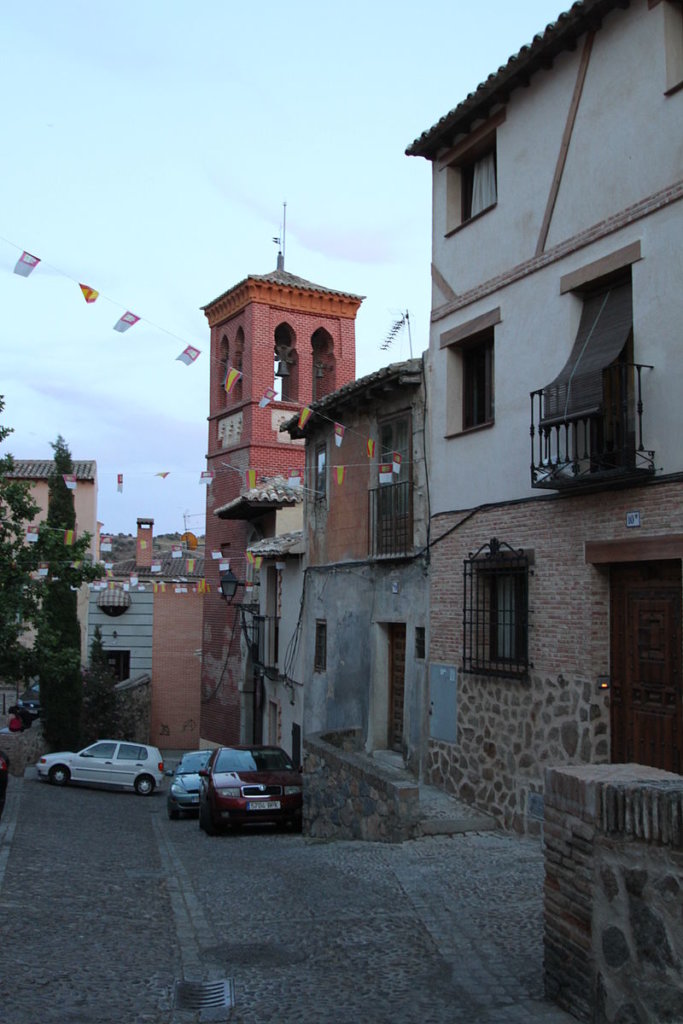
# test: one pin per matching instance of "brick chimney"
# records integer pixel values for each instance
(143, 551)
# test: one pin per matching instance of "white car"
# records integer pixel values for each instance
(106, 763)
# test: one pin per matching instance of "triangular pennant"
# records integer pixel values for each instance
(250, 477)
(295, 478)
(206, 477)
(68, 537)
(304, 417)
(396, 464)
(370, 448)
(119, 482)
(31, 534)
(338, 434)
(268, 395)
(89, 294)
(386, 473)
(127, 320)
(163, 475)
(340, 473)
(231, 378)
(70, 480)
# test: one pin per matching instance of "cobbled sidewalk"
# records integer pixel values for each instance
(105, 904)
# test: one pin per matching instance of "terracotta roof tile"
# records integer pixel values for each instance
(42, 469)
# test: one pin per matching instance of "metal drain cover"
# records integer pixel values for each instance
(211, 998)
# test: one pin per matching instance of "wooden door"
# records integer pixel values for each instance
(646, 706)
(397, 668)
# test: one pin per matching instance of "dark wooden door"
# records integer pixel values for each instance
(397, 669)
(646, 706)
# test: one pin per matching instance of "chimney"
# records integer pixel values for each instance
(143, 552)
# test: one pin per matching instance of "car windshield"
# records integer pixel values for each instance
(268, 760)
(191, 763)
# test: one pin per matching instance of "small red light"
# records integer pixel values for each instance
(161, 766)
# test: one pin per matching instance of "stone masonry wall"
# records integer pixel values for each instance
(345, 797)
(509, 730)
(613, 887)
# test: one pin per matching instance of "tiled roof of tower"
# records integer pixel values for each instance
(396, 374)
(558, 36)
(284, 278)
(270, 493)
(42, 469)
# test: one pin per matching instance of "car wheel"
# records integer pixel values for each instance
(206, 821)
(144, 785)
(59, 775)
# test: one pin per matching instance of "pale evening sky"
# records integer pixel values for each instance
(147, 150)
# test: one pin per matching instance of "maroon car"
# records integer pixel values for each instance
(4, 772)
(247, 785)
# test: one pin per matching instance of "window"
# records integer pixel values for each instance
(320, 470)
(471, 168)
(420, 642)
(673, 45)
(495, 611)
(477, 381)
(470, 372)
(130, 752)
(320, 662)
(391, 519)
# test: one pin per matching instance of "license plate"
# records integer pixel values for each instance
(194, 799)
(263, 805)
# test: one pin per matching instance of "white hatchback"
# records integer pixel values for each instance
(106, 763)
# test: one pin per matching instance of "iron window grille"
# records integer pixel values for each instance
(320, 660)
(495, 610)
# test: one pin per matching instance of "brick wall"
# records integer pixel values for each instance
(177, 641)
(613, 880)
(510, 730)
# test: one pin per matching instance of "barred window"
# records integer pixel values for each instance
(320, 662)
(495, 611)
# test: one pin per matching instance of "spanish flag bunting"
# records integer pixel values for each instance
(68, 537)
(258, 562)
(304, 417)
(386, 473)
(176, 551)
(250, 477)
(31, 534)
(125, 322)
(188, 355)
(89, 294)
(341, 473)
(371, 448)
(268, 396)
(202, 587)
(191, 562)
(162, 475)
(119, 482)
(231, 378)
(156, 565)
(105, 543)
(143, 545)
(25, 264)
(396, 464)
(250, 557)
(206, 477)
(338, 434)
(295, 478)
(69, 480)
(159, 588)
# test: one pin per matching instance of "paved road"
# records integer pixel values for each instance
(105, 904)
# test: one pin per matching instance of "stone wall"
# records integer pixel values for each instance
(347, 797)
(613, 887)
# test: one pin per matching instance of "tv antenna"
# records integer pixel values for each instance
(395, 330)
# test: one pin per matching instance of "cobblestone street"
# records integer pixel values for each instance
(105, 903)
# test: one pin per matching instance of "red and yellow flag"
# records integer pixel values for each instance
(341, 473)
(68, 537)
(371, 448)
(89, 294)
(250, 476)
(231, 378)
(304, 417)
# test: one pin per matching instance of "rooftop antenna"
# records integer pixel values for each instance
(281, 239)
(395, 330)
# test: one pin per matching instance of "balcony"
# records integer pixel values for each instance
(391, 520)
(594, 446)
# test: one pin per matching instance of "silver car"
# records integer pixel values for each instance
(183, 793)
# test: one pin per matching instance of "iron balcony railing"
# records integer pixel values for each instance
(601, 444)
(390, 516)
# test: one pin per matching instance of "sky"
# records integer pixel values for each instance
(148, 147)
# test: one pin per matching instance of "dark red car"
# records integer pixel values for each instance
(247, 785)
(4, 772)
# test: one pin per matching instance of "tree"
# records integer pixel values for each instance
(100, 712)
(58, 642)
(18, 560)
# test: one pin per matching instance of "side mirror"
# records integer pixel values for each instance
(204, 773)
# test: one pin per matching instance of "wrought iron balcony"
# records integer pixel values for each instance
(577, 448)
(391, 519)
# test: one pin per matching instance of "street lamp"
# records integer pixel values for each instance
(229, 584)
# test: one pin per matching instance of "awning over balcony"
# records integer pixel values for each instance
(606, 322)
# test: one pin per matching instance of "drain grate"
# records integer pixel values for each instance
(210, 998)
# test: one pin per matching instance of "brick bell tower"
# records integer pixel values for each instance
(297, 338)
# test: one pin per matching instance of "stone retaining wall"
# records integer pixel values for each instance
(347, 797)
(613, 886)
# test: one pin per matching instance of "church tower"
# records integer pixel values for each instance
(295, 339)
